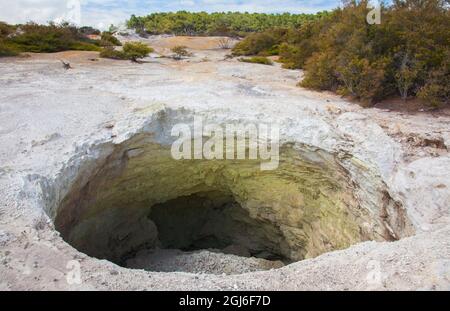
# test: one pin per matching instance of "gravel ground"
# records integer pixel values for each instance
(199, 262)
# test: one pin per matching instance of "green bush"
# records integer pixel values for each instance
(110, 52)
(436, 91)
(320, 73)
(6, 30)
(84, 46)
(180, 51)
(131, 51)
(108, 39)
(7, 49)
(361, 79)
(87, 30)
(257, 60)
(45, 38)
(136, 50)
(290, 56)
(264, 44)
(294, 56)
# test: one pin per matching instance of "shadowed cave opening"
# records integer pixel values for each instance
(142, 209)
(214, 221)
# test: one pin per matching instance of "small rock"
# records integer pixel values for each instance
(109, 126)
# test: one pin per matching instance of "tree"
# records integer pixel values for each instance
(87, 30)
(260, 43)
(406, 76)
(131, 51)
(136, 50)
(320, 72)
(360, 78)
(220, 24)
(436, 90)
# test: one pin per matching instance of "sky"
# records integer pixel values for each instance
(102, 13)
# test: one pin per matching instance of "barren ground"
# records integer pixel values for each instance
(49, 117)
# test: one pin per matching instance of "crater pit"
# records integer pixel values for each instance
(140, 208)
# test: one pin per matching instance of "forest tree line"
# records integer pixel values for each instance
(211, 24)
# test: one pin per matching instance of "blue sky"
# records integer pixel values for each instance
(101, 13)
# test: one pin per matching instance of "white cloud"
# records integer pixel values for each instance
(21, 11)
(86, 12)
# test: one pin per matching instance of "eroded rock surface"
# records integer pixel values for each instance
(141, 197)
(87, 145)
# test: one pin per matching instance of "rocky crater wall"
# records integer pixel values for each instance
(135, 196)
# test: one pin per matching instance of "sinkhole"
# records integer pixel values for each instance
(138, 201)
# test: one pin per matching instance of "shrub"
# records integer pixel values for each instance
(136, 50)
(360, 79)
(257, 60)
(290, 56)
(131, 50)
(436, 90)
(87, 30)
(294, 56)
(7, 50)
(435, 94)
(180, 51)
(108, 39)
(50, 38)
(110, 52)
(45, 38)
(258, 43)
(272, 51)
(320, 73)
